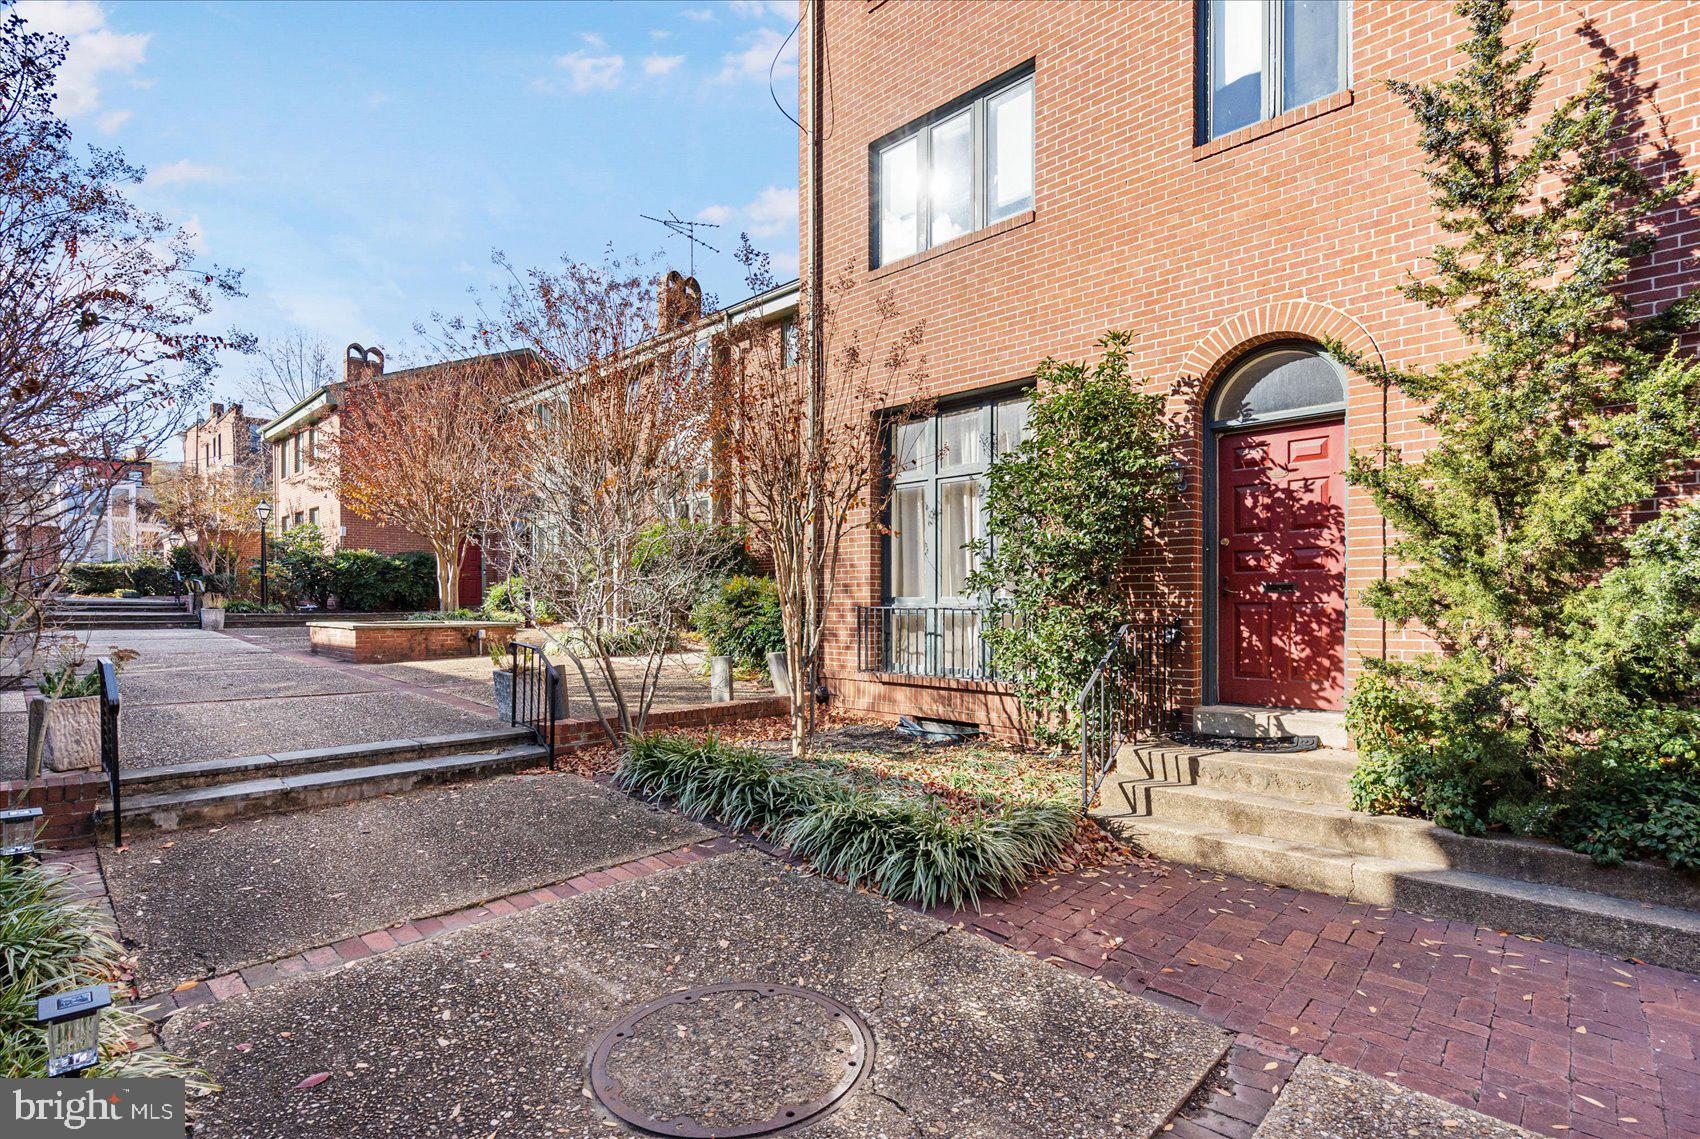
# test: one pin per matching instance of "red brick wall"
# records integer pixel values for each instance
(1295, 228)
(67, 801)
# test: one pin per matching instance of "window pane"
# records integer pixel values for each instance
(909, 543)
(1012, 425)
(899, 191)
(961, 439)
(910, 447)
(959, 525)
(953, 178)
(1009, 151)
(1236, 64)
(1310, 50)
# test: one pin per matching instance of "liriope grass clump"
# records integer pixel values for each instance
(51, 943)
(910, 848)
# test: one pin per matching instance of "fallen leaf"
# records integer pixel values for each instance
(1589, 1099)
(185, 986)
(1271, 1066)
(313, 1081)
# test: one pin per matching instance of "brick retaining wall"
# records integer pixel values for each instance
(580, 735)
(67, 800)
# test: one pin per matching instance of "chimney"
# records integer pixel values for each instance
(681, 301)
(362, 363)
(217, 410)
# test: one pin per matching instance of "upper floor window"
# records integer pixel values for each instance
(957, 170)
(1258, 58)
(789, 347)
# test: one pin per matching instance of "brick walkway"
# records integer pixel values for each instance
(1559, 1040)
(1562, 1041)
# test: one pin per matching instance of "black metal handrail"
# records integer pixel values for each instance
(536, 694)
(109, 709)
(1129, 695)
(943, 641)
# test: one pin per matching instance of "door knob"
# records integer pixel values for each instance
(1223, 543)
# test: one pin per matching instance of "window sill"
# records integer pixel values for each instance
(1016, 221)
(1280, 122)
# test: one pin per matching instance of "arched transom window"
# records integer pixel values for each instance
(1284, 381)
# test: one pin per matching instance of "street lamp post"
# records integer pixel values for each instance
(264, 509)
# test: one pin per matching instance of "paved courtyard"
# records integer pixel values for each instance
(191, 695)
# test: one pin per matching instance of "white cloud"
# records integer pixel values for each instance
(661, 64)
(700, 15)
(715, 215)
(586, 72)
(182, 172)
(96, 52)
(110, 121)
(660, 33)
(756, 56)
(193, 233)
(761, 9)
(773, 212)
(592, 39)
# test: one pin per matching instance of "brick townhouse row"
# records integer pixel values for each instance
(1232, 183)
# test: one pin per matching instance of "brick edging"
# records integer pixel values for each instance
(334, 955)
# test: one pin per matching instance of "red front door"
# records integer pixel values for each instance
(1281, 567)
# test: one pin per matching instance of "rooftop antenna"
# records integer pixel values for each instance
(687, 230)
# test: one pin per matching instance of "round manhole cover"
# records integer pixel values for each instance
(730, 1060)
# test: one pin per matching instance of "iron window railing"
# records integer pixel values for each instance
(942, 641)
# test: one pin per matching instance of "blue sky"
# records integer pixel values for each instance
(361, 161)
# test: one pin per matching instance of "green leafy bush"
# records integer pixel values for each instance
(367, 581)
(304, 573)
(51, 943)
(449, 615)
(243, 606)
(97, 578)
(512, 600)
(742, 620)
(1069, 508)
(912, 849)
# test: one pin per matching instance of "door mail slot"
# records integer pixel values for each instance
(1280, 587)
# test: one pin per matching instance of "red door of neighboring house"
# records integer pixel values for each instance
(1281, 567)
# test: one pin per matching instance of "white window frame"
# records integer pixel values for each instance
(1273, 78)
(976, 103)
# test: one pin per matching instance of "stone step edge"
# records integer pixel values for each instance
(1656, 934)
(204, 772)
(1420, 842)
(188, 799)
(1323, 760)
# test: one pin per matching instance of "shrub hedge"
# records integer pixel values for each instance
(910, 849)
(742, 620)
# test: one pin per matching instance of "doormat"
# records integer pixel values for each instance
(1271, 744)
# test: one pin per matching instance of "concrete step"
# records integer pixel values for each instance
(213, 772)
(118, 605)
(1408, 841)
(123, 621)
(1656, 933)
(1244, 721)
(223, 803)
(1321, 776)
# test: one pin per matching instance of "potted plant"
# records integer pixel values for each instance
(212, 611)
(502, 684)
(64, 720)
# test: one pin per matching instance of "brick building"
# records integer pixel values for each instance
(1232, 184)
(303, 485)
(226, 438)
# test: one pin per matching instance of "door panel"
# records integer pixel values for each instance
(1281, 567)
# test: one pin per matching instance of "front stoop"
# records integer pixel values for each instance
(1243, 721)
(1285, 819)
(214, 792)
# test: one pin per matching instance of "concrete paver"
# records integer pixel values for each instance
(487, 1030)
(200, 902)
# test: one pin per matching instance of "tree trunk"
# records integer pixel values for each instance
(448, 580)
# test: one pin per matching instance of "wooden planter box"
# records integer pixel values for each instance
(387, 642)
